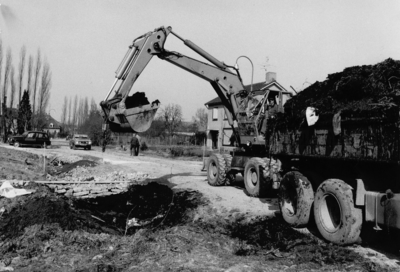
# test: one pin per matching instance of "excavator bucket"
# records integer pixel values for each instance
(134, 114)
(140, 118)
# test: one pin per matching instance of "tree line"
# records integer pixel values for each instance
(169, 121)
(32, 78)
(78, 116)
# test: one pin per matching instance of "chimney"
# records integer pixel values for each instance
(270, 77)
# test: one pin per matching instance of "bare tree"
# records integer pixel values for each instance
(6, 80)
(64, 111)
(13, 89)
(93, 105)
(1, 65)
(44, 93)
(69, 111)
(86, 109)
(75, 113)
(172, 117)
(11, 126)
(80, 112)
(200, 118)
(7, 72)
(36, 79)
(29, 75)
(21, 68)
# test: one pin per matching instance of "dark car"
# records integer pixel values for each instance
(30, 138)
(80, 140)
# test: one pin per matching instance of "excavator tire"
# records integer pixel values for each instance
(336, 217)
(230, 175)
(296, 197)
(216, 170)
(254, 181)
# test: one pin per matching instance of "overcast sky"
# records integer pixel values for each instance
(302, 41)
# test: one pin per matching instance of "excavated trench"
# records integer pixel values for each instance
(156, 208)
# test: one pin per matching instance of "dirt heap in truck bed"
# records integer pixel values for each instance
(367, 90)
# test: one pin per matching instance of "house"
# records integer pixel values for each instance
(51, 126)
(218, 129)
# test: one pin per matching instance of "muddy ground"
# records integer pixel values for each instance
(158, 224)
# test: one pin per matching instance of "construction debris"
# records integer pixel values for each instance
(7, 190)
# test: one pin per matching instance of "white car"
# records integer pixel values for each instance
(80, 140)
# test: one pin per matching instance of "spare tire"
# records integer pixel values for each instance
(336, 217)
(296, 196)
(216, 172)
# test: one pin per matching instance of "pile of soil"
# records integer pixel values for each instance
(368, 90)
(44, 207)
(69, 166)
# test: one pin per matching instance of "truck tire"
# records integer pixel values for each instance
(216, 170)
(230, 177)
(336, 217)
(253, 178)
(296, 197)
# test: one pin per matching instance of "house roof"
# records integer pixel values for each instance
(49, 119)
(214, 102)
(258, 88)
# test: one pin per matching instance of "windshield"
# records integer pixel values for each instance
(82, 137)
(25, 133)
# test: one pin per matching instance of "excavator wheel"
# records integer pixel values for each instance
(230, 175)
(254, 181)
(216, 170)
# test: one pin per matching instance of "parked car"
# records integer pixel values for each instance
(80, 140)
(30, 138)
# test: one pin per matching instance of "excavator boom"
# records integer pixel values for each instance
(126, 113)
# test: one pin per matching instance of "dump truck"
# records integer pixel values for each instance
(324, 156)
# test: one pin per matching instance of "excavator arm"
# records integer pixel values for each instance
(126, 113)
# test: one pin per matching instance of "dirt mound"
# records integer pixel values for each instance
(363, 90)
(81, 163)
(43, 207)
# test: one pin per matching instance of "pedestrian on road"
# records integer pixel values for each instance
(135, 144)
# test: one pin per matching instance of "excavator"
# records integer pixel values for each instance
(343, 170)
(245, 113)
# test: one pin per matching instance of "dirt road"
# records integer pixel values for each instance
(178, 173)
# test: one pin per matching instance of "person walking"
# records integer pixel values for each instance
(135, 144)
